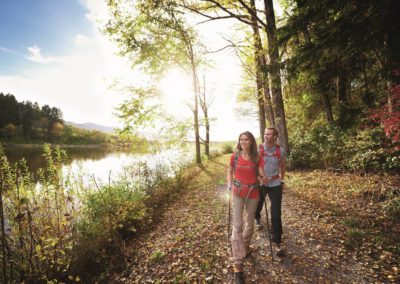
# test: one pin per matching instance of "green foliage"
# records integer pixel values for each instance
(368, 150)
(8, 131)
(109, 215)
(60, 231)
(330, 147)
(114, 212)
(352, 223)
(141, 109)
(227, 148)
(157, 256)
(392, 208)
(315, 148)
(354, 238)
(39, 219)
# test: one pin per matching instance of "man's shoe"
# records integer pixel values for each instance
(239, 277)
(279, 251)
(258, 224)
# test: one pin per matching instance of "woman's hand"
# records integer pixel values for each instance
(263, 180)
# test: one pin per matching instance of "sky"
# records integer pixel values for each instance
(51, 52)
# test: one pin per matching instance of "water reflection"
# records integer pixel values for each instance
(101, 163)
(92, 161)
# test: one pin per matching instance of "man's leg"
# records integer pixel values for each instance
(275, 196)
(260, 204)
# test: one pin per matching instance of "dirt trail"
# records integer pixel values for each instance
(190, 243)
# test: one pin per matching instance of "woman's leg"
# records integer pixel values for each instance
(251, 206)
(238, 249)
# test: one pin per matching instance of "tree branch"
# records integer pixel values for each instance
(252, 13)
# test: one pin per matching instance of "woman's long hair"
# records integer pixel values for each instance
(253, 146)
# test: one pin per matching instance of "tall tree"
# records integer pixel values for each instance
(275, 73)
(155, 36)
(9, 111)
(245, 13)
(206, 101)
(262, 82)
(336, 41)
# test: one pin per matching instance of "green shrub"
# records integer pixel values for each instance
(227, 148)
(318, 147)
(60, 232)
(368, 151)
(41, 233)
(110, 214)
(357, 150)
(392, 208)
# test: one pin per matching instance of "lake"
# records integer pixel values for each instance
(98, 162)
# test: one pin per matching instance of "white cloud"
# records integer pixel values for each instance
(79, 82)
(98, 10)
(82, 40)
(6, 49)
(35, 55)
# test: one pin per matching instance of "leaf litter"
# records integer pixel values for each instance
(190, 242)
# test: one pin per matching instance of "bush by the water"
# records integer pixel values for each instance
(61, 230)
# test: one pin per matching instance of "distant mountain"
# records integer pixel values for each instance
(92, 126)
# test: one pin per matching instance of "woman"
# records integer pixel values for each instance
(245, 165)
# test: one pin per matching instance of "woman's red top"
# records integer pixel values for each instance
(246, 173)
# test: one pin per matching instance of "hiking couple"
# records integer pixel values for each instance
(250, 167)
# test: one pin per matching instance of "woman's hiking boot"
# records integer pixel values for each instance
(238, 273)
(248, 250)
(239, 277)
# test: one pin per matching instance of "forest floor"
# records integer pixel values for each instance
(329, 237)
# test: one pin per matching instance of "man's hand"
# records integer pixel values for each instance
(263, 180)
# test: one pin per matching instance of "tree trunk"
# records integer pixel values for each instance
(196, 111)
(392, 45)
(327, 106)
(204, 107)
(260, 100)
(320, 86)
(207, 144)
(275, 75)
(341, 85)
(261, 64)
(258, 53)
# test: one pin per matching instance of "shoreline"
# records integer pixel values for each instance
(27, 146)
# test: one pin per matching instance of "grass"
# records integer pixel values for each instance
(157, 256)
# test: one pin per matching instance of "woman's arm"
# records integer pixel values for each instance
(229, 177)
(262, 176)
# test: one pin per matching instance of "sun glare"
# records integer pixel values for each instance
(177, 92)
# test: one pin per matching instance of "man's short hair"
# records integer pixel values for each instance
(276, 133)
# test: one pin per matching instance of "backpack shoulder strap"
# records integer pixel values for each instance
(278, 152)
(235, 161)
(262, 150)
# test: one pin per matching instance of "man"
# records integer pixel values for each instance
(275, 169)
